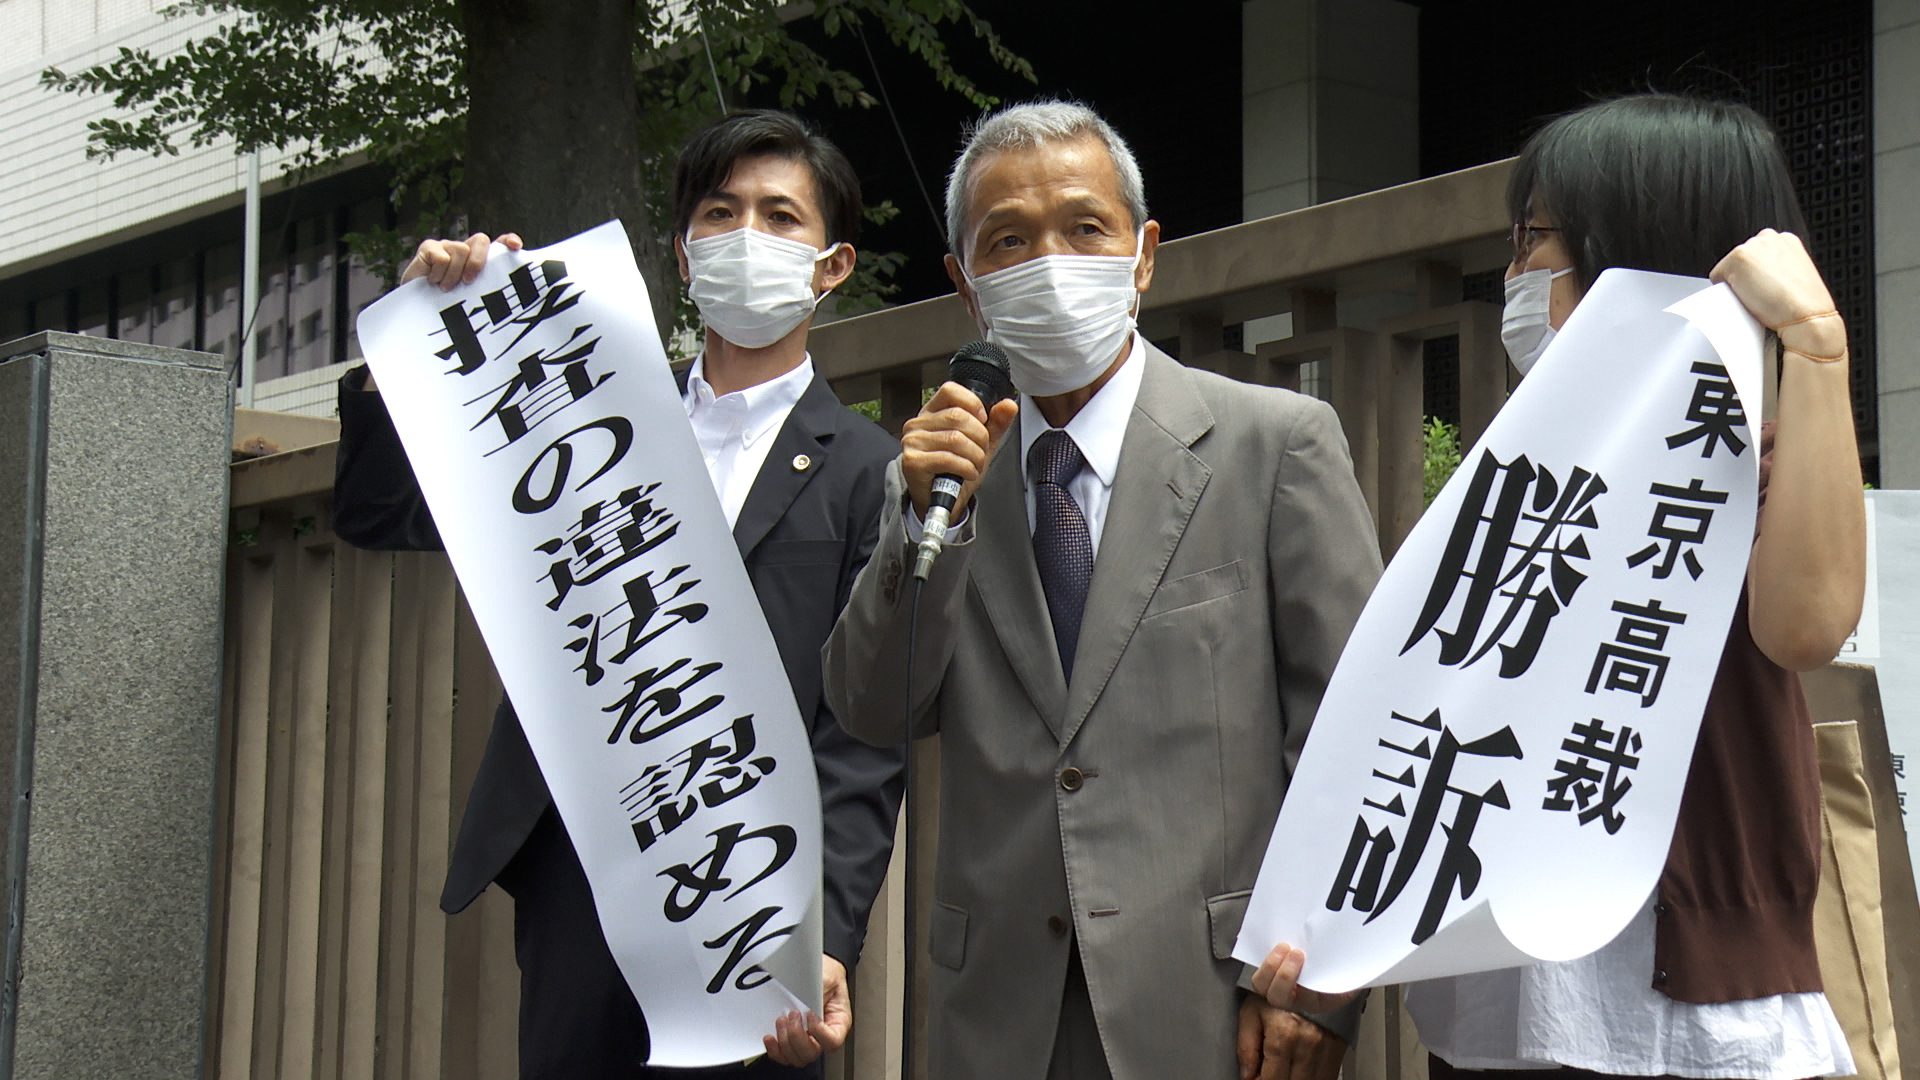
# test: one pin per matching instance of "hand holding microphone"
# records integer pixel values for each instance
(945, 450)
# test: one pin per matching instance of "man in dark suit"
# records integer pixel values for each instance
(765, 215)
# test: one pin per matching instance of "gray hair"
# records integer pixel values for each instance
(1036, 124)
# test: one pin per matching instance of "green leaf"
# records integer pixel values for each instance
(320, 80)
(1440, 456)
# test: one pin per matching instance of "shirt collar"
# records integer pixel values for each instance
(766, 404)
(1101, 424)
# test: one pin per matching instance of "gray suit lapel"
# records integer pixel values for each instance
(1155, 490)
(1004, 572)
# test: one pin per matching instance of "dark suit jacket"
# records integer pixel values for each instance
(804, 534)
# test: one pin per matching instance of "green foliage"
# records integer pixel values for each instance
(872, 279)
(316, 80)
(1440, 455)
(322, 79)
(871, 409)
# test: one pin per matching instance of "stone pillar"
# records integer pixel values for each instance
(1330, 100)
(1329, 107)
(1896, 235)
(113, 521)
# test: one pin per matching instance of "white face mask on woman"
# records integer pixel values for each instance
(751, 287)
(1525, 328)
(1061, 318)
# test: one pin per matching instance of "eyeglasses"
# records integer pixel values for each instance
(1523, 237)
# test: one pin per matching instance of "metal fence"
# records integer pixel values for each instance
(358, 692)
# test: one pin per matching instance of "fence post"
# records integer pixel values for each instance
(113, 480)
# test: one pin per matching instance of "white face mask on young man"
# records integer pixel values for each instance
(751, 287)
(1061, 318)
(1525, 326)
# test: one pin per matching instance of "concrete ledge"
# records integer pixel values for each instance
(108, 347)
(288, 431)
(1241, 271)
(277, 477)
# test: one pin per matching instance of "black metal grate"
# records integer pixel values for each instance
(1819, 102)
(1440, 388)
(1440, 357)
(1492, 70)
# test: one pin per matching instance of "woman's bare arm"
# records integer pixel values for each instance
(1808, 571)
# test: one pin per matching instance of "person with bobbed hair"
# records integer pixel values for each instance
(1717, 975)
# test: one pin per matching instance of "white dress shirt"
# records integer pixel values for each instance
(736, 430)
(1600, 1013)
(1097, 429)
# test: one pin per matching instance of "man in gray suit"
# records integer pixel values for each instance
(1123, 645)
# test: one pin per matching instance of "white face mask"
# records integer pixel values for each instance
(1061, 318)
(751, 287)
(1524, 326)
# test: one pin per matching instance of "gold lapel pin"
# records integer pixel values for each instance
(801, 462)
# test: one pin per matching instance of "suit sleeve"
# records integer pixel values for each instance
(860, 785)
(1323, 559)
(865, 658)
(377, 503)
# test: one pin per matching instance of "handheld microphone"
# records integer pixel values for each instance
(983, 368)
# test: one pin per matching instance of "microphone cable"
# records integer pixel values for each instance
(984, 369)
(910, 924)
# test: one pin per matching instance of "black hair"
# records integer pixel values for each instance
(708, 158)
(1660, 182)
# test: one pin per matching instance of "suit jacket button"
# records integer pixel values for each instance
(1058, 924)
(1071, 779)
(1660, 977)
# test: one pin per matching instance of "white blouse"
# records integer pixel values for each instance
(1600, 1013)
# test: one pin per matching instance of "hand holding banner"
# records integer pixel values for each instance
(1495, 770)
(549, 439)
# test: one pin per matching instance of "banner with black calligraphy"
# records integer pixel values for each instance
(1494, 773)
(543, 423)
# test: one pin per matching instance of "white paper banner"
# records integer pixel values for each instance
(544, 426)
(1494, 773)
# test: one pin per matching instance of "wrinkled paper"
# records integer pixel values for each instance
(545, 429)
(1494, 774)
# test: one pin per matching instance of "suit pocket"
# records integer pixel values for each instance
(947, 935)
(797, 553)
(1184, 592)
(1225, 913)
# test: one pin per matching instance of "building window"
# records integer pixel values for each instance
(133, 296)
(310, 296)
(172, 308)
(361, 286)
(220, 304)
(50, 312)
(96, 311)
(269, 324)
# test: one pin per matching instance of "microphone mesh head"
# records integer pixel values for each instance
(983, 367)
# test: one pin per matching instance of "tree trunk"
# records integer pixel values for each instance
(553, 127)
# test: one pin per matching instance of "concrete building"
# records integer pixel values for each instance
(1237, 109)
(149, 249)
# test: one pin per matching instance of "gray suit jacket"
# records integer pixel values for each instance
(1135, 802)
